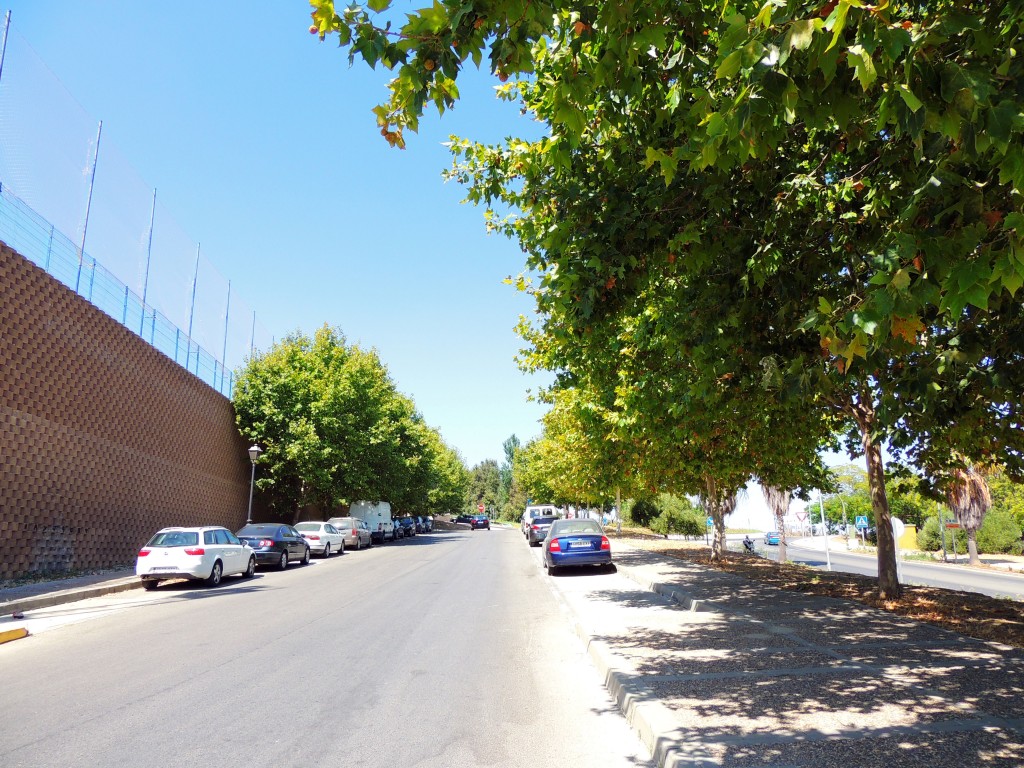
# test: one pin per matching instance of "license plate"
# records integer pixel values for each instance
(579, 545)
(163, 568)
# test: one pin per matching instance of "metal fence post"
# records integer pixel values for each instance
(88, 204)
(49, 250)
(3, 46)
(224, 354)
(149, 252)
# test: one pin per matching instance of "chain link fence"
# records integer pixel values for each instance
(72, 203)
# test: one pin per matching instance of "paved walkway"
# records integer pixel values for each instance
(715, 670)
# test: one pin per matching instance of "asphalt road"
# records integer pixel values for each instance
(444, 650)
(947, 575)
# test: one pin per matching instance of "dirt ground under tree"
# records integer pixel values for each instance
(969, 613)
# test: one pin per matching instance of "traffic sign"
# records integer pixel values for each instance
(711, 522)
(862, 521)
(952, 525)
(479, 507)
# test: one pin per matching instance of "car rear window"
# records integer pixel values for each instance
(258, 530)
(578, 526)
(307, 526)
(174, 539)
(544, 520)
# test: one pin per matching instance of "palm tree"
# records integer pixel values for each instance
(969, 498)
(718, 503)
(778, 502)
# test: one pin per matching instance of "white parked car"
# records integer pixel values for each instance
(206, 553)
(323, 538)
(356, 532)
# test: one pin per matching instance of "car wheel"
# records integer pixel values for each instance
(149, 584)
(359, 543)
(341, 547)
(250, 571)
(327, 551)
(283, 562)
(305, 556)
(214, 578)
(551, 569)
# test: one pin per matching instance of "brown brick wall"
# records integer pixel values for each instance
(103, 439)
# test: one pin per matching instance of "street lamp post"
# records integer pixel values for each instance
(254, 453)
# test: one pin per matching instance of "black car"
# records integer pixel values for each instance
(275, 544)
(480, 521)
(463, 518)
(408, 526)
(538, 530)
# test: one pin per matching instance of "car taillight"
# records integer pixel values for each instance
(605, 544)
(535, 527)
(554, 546)
(143, 552)
(265, 543)
(195, 551)
(312, 537)
(355, 532)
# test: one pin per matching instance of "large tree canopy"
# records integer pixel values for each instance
(752, 213)
(334, 429)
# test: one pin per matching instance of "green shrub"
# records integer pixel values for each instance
(929, 538)
(687, 522)
(999, 533)
(641, 511)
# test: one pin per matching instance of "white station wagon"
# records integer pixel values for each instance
(206, 553)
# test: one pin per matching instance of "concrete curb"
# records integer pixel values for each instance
(13, 634)
(652, 721)
(21, 605)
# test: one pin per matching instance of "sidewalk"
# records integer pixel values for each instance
(712, 669)
(44, 594)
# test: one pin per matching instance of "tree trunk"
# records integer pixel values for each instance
(972, 547)
(888, 580)
(778, 501)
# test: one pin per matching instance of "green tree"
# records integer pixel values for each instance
(334, 429)
(1007, 496)
(510, 447)
(838, 202)
(484, 488)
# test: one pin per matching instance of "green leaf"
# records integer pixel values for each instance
(800, 34)
(378, 5)
(730, 66)
(909, 98)
(823, 306)
(716, 125)
(901, 280)
(864, 66)
(838, 19)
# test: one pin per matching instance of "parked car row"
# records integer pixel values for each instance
(209, 553)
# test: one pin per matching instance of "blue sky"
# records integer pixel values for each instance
(261, 143)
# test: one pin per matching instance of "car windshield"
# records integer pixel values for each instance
(575, 526)
(258, 530)
(174, 539)
(307, 526)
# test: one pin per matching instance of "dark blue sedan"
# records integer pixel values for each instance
(576, 542)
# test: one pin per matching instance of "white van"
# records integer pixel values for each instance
(377, 516)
